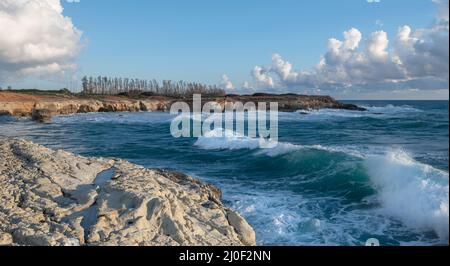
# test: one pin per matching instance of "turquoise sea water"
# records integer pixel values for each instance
(336, 178)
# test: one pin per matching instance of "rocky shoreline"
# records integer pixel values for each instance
(55, 198)
(43, 107)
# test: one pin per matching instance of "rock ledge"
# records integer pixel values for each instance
(55, 198)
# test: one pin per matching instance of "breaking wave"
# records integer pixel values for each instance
(412, 192)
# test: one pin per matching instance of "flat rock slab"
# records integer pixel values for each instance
(55, 198)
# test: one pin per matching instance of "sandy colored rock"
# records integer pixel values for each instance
(56, 198)
(245, 231)
(5, 239)
(23, 104)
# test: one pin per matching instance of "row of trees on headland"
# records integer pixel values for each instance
(115, 86)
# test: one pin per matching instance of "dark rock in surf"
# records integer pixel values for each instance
(352, 107)
(4, 113)
(42, 115)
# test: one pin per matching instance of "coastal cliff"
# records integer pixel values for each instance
(22, 104)
(43, 107)
(55, 198)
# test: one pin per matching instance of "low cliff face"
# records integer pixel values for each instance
(43, 107)
(288, 102)
(23, 105)
(53, 198)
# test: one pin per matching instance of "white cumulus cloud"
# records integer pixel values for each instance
(262, 78)
(36, 39)
(226, 83)
(410, 60)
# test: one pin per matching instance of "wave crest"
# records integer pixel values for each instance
(413, 192)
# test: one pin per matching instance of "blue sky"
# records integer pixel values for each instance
(202, 40)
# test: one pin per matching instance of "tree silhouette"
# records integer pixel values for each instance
(116, 86)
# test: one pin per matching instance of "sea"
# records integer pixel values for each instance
(336, 177)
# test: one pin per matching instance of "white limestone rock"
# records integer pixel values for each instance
(56, 198)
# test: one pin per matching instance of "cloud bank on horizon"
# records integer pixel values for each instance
(36, 39)
(412, 60)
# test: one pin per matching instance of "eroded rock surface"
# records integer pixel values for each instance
(20, 104)
(52, 197)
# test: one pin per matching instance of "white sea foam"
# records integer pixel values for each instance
(226, 139)
(286, 218)
(395, 109)
(220, 139)
(415, 193)
(372, 111)
(117, 118)
(282, 218)
(325, 113)
(412, 192)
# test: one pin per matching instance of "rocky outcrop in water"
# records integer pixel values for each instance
(50, 198)
(42, 115)
(20, 104)
(288, 102)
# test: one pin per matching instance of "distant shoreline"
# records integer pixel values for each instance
(42, 105)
